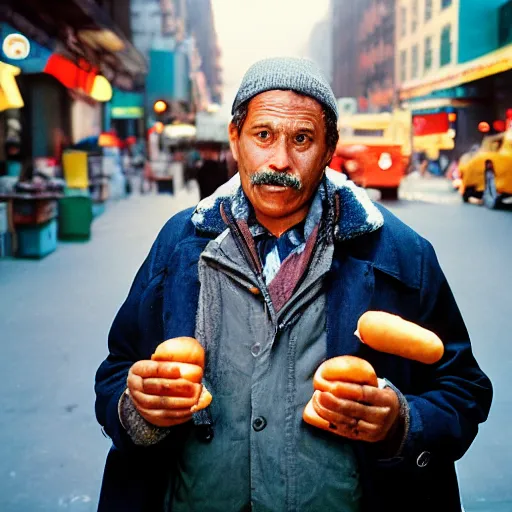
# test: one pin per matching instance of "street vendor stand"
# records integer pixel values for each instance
(32, 223)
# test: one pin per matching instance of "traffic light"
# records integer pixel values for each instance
(160, 106)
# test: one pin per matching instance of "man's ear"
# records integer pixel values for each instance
(328, 157)
(233, 140)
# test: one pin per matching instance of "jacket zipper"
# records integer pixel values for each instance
(240, 239)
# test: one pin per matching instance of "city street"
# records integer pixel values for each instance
(56, 313)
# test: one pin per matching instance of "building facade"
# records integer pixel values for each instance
(453, 61)
(363, 64)
(201, 26)
(346, 18)
(377, 56)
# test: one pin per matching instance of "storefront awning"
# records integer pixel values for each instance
(10, 96)
(435, 104)
(488, 65)
(79, 29)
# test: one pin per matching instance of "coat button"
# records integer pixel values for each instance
(259, 423)
(256, 349)
(423, 459)
(204, 433)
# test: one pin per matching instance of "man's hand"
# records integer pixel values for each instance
(159, 393)
(373, 419)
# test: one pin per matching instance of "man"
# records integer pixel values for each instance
(271, 275)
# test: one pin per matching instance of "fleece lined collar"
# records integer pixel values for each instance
(357, 215)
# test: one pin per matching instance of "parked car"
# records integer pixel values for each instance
(486, 172)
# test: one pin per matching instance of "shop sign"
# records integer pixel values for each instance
(431, 124)
(488, 65)
(127, 112)
(35, 55)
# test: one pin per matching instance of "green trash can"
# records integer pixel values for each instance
(75, 216)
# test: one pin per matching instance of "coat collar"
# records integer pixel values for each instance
(357, 214)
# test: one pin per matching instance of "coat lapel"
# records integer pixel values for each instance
(181, 288)
(350, 286)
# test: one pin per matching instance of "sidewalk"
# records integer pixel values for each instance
(56, 313)
(429, 189)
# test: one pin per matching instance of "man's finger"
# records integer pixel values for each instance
(170, 387)
(162, 402)
(369, 429)
(134, 382)
(369, 413)
(379, 397)
(156, 369)
(331, 416)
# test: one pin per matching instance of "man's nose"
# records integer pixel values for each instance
(280, 161)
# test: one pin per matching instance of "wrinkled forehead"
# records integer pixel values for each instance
(285, 107)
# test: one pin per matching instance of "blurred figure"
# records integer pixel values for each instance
(211, 171)
(231, 163)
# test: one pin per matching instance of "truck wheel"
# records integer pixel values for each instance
(389, 193)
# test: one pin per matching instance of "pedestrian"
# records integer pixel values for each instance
(271, 275)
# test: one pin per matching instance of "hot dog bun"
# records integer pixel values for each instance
(180, 350)
(343, 376)
(394, 335)
(310, 416)
(205, 399)
(188, 355)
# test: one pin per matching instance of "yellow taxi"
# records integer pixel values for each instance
(486, 172)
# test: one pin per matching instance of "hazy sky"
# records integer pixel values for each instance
(250, 30)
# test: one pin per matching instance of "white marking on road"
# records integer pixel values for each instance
(70, 500)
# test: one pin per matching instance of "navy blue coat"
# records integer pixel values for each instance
(391, 269)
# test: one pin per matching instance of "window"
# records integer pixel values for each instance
(414, 63)
(403, 65)
(505, 24)
(428, 10)
(427, 64)
(414, 17)
(446, 46)
(445, 3)
(403, 21)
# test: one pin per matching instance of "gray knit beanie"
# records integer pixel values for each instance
(285, 73)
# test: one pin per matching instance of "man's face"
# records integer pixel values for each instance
(281, 152)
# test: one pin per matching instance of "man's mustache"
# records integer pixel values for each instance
(280, 179)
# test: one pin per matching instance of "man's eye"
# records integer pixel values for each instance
(263, 135)
(301, 138)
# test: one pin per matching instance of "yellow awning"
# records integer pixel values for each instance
(10, 96)
(487, 65)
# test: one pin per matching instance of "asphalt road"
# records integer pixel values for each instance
(55, 315)
(474, 247)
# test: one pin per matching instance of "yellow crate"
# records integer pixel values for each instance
(74, 165)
